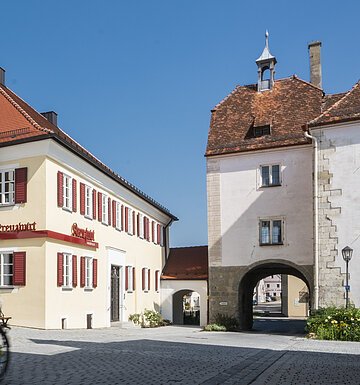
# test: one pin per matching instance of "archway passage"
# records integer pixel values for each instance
(186, 308)
(249, 282)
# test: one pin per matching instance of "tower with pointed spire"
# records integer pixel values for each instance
(266, 67)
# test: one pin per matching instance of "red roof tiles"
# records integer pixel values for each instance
(286, 108)
(187, 263)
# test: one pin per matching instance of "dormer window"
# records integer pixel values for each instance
(262, 130)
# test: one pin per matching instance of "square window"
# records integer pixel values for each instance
(6, 269)
(130, 221)
(88, 272)
(271, 232)
(270, 175)
(7, 187)
(67, 270)
(105, 210)
(67, 192)
(118, 216)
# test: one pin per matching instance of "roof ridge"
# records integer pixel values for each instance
(294, 76)
(22, 111)
(313, 121)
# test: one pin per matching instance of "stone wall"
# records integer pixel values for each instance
(331, 291)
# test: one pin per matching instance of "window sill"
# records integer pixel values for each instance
(270, 185)
(130, 291)
(7, 204)
(67, 288)
(90, 217)
(67, 209)
(105, 223)
(88, 288)
(271, 244)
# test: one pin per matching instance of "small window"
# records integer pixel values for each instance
(105, 209)
(118, 216)
(88, 272)
(130, 278)
(67, 192)
(261, 130)
(271, 232)
(268, 285)
(6, 269)
(67, 270)
(270, 175)
(7, 187)
(130, 221)
(278, 285)
(141, 226)
(88, 202)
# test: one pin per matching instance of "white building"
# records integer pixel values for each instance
(262, 217)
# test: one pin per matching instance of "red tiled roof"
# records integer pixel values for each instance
(19, 122)
(286, 108)
(346, 108)
(187, 263)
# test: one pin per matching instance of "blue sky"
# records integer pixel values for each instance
(134, 81)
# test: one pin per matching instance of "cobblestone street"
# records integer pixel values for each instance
(179, 355)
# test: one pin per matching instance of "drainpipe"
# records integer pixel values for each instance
(316, 220)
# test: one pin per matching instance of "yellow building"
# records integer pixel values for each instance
(79, 245)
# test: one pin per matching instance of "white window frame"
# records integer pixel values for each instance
(271, 231)
(67, 192)
(2, 265)
(161, 235)
(141, 226)
(130, 222)
(146, 280)
(67, 270)
(89, 272)
(270, 184)
(88, 202)
(118, 216)
(11, 183)
(129, 270)
(105, 209)
(158, 280)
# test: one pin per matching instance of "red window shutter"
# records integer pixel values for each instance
(133, 273)
(158, 234)
(82, 198)
(60, 184)
(74, 270)
(126, 278)
(99, 206)
(134, 222)
(95, 272)
(138, 224)
(60, 269)
(94, 204)
(126, 219)
(82, 271)
(149, 275)
(21, 185)
(19, 266)
(122, 217)
(147, 229)
(144, 227)
(157, 280)
(74, 196)
(143, 278)
(109, 211)
(153, 231)
(114, 213)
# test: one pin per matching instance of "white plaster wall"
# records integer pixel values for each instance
(345, 166)
(244, 203)
(170, 287)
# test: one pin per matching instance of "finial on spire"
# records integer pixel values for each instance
(267, 39)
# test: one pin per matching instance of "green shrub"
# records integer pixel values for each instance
(223, 322)
(215, 328)
(335, 324)
(148, 319)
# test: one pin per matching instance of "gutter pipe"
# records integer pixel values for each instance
(316, 221)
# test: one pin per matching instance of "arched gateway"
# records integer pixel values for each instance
(257, 272)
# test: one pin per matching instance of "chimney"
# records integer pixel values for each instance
(51, 116)
(2, 76)
(315, 63)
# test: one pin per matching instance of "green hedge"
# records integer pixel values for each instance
(335, 324)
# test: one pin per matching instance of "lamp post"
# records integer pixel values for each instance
(347, 254)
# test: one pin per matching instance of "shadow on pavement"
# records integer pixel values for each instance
(159, 362)
(280, 326)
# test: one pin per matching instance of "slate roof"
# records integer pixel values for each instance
(286, 108)
(186, 263)
(20, 123)
(345, 108)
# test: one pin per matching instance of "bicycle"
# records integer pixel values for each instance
(4, 346)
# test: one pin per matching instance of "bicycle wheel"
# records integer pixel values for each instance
(4, 353)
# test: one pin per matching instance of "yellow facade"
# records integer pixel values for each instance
(41, 303)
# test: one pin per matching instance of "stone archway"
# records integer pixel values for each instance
(253, 275)
(178, 310)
